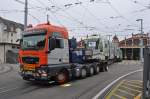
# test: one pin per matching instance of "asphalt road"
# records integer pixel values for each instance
(13, 87)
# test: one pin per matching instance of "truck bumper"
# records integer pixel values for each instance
(41, 74)
(44, 73)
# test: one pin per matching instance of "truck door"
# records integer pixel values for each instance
(59, 52)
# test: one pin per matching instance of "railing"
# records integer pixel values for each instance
(146, 74)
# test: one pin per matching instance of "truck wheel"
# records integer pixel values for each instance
(62, 78)
(105, 68)
(97, 69)
(91, 71)
(26, 78)
(83, 73)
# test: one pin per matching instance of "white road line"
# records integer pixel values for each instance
(4, 91)
(108, 86)
(2, 88)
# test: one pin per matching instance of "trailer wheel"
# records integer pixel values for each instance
(83, 73)
(97, 70)
(91, 71)
(62, 78)
(105, 68)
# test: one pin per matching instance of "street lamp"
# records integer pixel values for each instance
(141, 40)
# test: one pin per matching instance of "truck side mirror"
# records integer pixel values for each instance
(52, 43)
(19, 40)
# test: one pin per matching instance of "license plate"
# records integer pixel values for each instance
(30, 67)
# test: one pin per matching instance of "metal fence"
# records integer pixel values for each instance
(146, 74)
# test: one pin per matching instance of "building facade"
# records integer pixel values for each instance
(131, 46)
(10, 32)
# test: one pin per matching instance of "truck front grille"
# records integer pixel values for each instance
(30, 60)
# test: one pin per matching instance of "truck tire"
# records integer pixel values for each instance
(105, 68)
(91, 71)
(83, 73)
(62, 78)
(97, 69)
(26, 78)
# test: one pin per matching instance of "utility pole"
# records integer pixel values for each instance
(141, 40)
(47, 18)
(26, 14)
(125, 55)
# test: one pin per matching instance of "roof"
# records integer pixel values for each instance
(11, 24)
(51, 29)
(115, 39)
(135, 36)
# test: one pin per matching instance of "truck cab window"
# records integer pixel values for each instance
(59, 43)
(55, 43)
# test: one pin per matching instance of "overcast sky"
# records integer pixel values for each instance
(82, 17)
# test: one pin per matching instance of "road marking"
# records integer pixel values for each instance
(133, 85)
(121, 97)
(126, 87)
(4, 91)
(123, 91)
(112, 83)
(66, 85)
(136, 81)
(114, 89)
(2, 88)
(139, 96)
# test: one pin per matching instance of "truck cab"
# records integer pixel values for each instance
(43, 47)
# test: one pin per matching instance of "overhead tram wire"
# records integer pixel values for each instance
(78, 2)
(81, 3)
(37, 19)
(90, 13)
(113, 8)
(69, 16)
(141, 10)
(30, 5)
(50, 11)
(21, 2)
(137, 2)
(73, 18)
(11, 11)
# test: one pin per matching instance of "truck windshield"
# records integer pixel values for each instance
(34, 41)
(93, 44)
